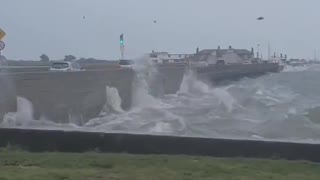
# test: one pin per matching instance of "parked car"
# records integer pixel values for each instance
(65, 66)
(124, 63)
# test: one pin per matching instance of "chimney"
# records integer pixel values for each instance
(218, 47)
(197, 51)
(252, 50)
(230, 47)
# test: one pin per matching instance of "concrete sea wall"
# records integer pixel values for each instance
(23, 69)
(64, 141)
(234, 72)
(59, 96)
(62, 97)
(166, 80)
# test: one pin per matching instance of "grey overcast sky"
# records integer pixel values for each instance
(57, 27)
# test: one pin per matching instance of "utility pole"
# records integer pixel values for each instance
(268, 51)
(258, 50)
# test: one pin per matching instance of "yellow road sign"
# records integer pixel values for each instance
(2, 34)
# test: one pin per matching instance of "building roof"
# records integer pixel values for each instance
(224, 51)
(167, 53)
(203, 55)
(159, 53)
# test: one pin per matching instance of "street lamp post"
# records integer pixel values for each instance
(258, 51)
(154, 30)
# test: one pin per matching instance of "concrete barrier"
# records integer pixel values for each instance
(166, 80)
(63, 141)
(78, 95)
(23, 69)
(100, 66)
(28, 69)
(81, 95)
(7, 95)
(58, 96)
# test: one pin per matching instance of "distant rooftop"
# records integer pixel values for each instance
(206, 54)
(167, 53)
(224, 51)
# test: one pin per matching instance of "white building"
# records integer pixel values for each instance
(207, 56)
(165, 57)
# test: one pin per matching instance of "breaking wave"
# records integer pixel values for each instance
(24, 118)
(281, 106)
(289, 68)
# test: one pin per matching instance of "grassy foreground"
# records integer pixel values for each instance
(20, 165)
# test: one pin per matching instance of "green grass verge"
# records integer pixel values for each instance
(19, 165)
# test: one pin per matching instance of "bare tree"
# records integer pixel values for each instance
(44, 58)
(69, 58)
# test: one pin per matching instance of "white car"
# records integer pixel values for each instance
(65, 66)
(125, 64)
